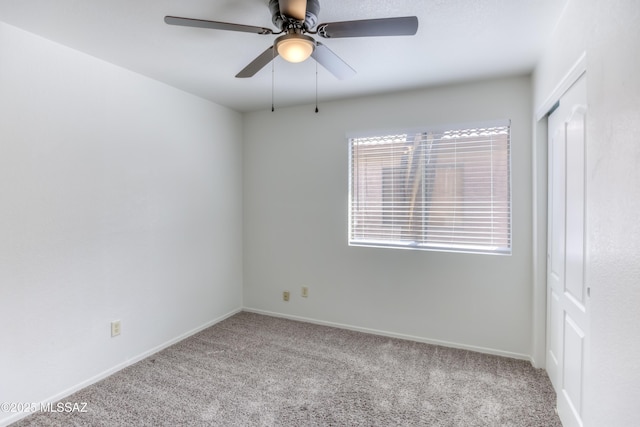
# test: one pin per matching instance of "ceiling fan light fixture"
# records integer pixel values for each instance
(295, 47)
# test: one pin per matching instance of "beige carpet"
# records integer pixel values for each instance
(253, 370)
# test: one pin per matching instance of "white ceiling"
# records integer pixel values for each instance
(457, 40)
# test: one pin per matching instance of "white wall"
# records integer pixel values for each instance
(608, 32)
(119, 199)
(295, 223)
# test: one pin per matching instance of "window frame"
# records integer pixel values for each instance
(437, 247)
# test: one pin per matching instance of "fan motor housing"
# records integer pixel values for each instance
(283, 22)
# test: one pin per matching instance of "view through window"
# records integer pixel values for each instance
(445, 189)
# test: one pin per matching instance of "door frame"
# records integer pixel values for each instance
(539, 167)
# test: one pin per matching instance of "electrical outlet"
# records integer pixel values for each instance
(115, 328)
(305, 292)
(285, 296)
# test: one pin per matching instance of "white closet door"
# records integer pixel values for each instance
(567, 293)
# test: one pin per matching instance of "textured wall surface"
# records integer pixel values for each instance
(119, 199)
(608, 33)
(295, 223)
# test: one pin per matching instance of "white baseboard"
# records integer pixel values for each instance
(102, 375)
(450, 344)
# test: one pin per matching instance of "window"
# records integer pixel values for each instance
(446, 189)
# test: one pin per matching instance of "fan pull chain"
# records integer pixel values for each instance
(273, 79)
(317, 87)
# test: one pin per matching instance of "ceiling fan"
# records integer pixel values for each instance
(297, 18)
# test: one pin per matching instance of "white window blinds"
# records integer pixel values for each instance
(444, 190)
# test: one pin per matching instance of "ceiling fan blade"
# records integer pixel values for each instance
(402, 26)
(296, 9)
(332, 62)
(258, 64)
(200, 23)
